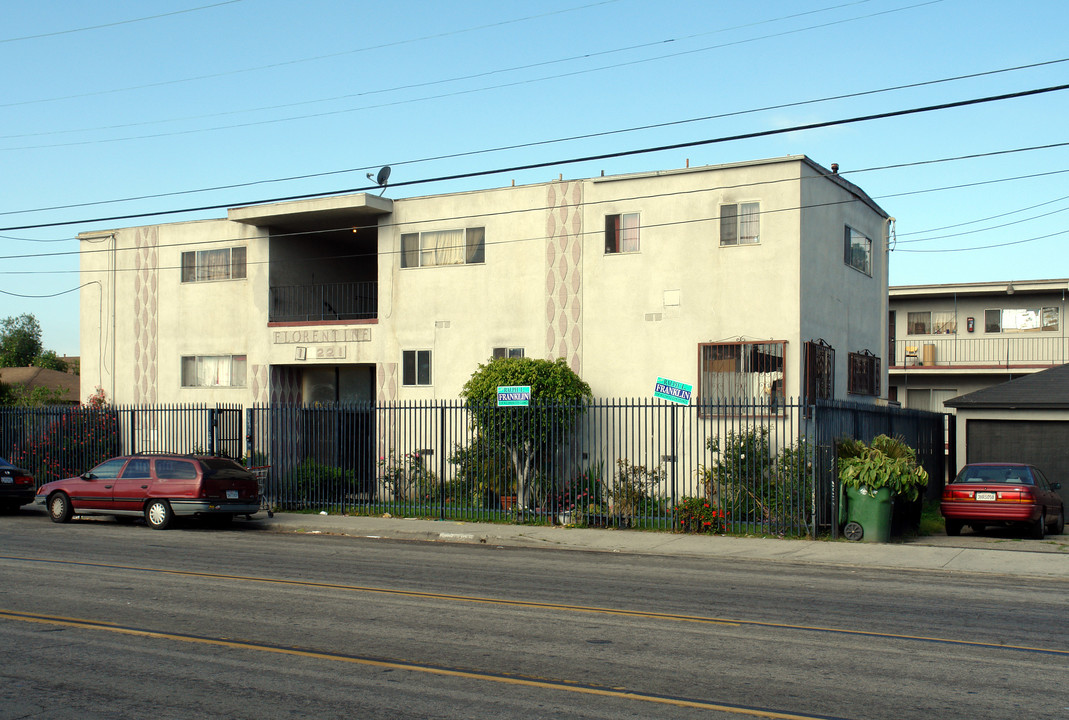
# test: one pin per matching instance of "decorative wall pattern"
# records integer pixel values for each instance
(564, 273)
(146, 315)
(285, 385)
(386, 374)
(260, 383)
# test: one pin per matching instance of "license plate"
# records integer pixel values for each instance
(985, 496)
(233, 495)
(8, 480)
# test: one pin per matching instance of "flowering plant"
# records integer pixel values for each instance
(697, 515)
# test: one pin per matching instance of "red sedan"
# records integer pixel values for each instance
(986, 494)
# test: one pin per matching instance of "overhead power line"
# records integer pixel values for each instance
(117, 23)
(570, 161)
(470, 91)
(516, 146)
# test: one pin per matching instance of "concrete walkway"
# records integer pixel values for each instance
(995, 553)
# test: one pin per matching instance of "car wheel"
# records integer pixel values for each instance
(1059, 525)
(158, 514)
(59, 508)
(954, 527)
(1038, 529)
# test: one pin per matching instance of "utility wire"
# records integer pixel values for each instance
(461, 92)
(408, 41)
(459, 218)
(552, 141)
(589, 158)
(115, 24)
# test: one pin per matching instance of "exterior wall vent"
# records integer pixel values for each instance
(654, 317)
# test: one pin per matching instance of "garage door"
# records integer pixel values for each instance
(1039, 443)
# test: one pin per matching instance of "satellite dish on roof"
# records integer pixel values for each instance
(381, 178)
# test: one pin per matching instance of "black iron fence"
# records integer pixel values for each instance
(58, 442)
(734, 467)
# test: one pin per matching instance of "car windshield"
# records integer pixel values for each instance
(1011, 474)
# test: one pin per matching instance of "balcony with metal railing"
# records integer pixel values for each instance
(950, 352)
(324, 301)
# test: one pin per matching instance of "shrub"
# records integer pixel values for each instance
(697, 515)
(885, 463)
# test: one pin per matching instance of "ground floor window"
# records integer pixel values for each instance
(416, 367)
(819, 371)
(213, 371)
(864, 374)
(749, 373)
(507, 352)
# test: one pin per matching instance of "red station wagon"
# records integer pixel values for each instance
(155, 486)
(1003, 494)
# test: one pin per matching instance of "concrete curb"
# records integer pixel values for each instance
(1050, 562)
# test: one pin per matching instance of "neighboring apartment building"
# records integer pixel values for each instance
(748, 280)
(953, 339)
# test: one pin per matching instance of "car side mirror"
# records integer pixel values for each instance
(1055, 486)
(88, 476)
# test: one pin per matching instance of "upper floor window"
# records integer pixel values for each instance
(740, 224)
(1035, 319)
(819, 371)
(219, 264)
(931, 323)
(864, 374)
(443, 247)
(416, 367)
(742, 372)
(621, 233)
(858, 251)
(213, 371)
(507, 352)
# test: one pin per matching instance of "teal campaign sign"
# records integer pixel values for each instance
(672, 391)
(513, 395)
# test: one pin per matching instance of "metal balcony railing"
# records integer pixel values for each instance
(329, 301)
(948, 351)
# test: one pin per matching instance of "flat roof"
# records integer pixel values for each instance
(998, 287)
(337, 210)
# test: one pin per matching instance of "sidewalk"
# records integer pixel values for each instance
(975, 554)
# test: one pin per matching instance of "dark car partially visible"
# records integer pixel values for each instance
(1003, 494)
(16, 487)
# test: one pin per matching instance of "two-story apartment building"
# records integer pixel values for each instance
(953, 339)
(748, 280)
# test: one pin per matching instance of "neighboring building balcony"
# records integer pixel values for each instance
(330, 301)
(949, 352)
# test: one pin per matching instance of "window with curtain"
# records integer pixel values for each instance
(747, 373)
(443, 247)
(621, 233)
(740, 224)
(213, 370)
(1009, 320)
(214, 264)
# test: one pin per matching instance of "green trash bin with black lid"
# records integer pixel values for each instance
(867, 514)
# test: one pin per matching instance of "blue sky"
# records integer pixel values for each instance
(103, 102)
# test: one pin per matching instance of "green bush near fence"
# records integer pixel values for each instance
(751, 485)
(483, 472)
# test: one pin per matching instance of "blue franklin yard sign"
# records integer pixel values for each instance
(672, 391)
(513, 395)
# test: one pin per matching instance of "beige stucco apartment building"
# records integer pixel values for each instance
(746, 280)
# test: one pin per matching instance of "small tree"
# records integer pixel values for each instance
(557, 402)
(20, 340)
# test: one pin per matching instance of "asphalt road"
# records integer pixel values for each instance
(99, 619)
